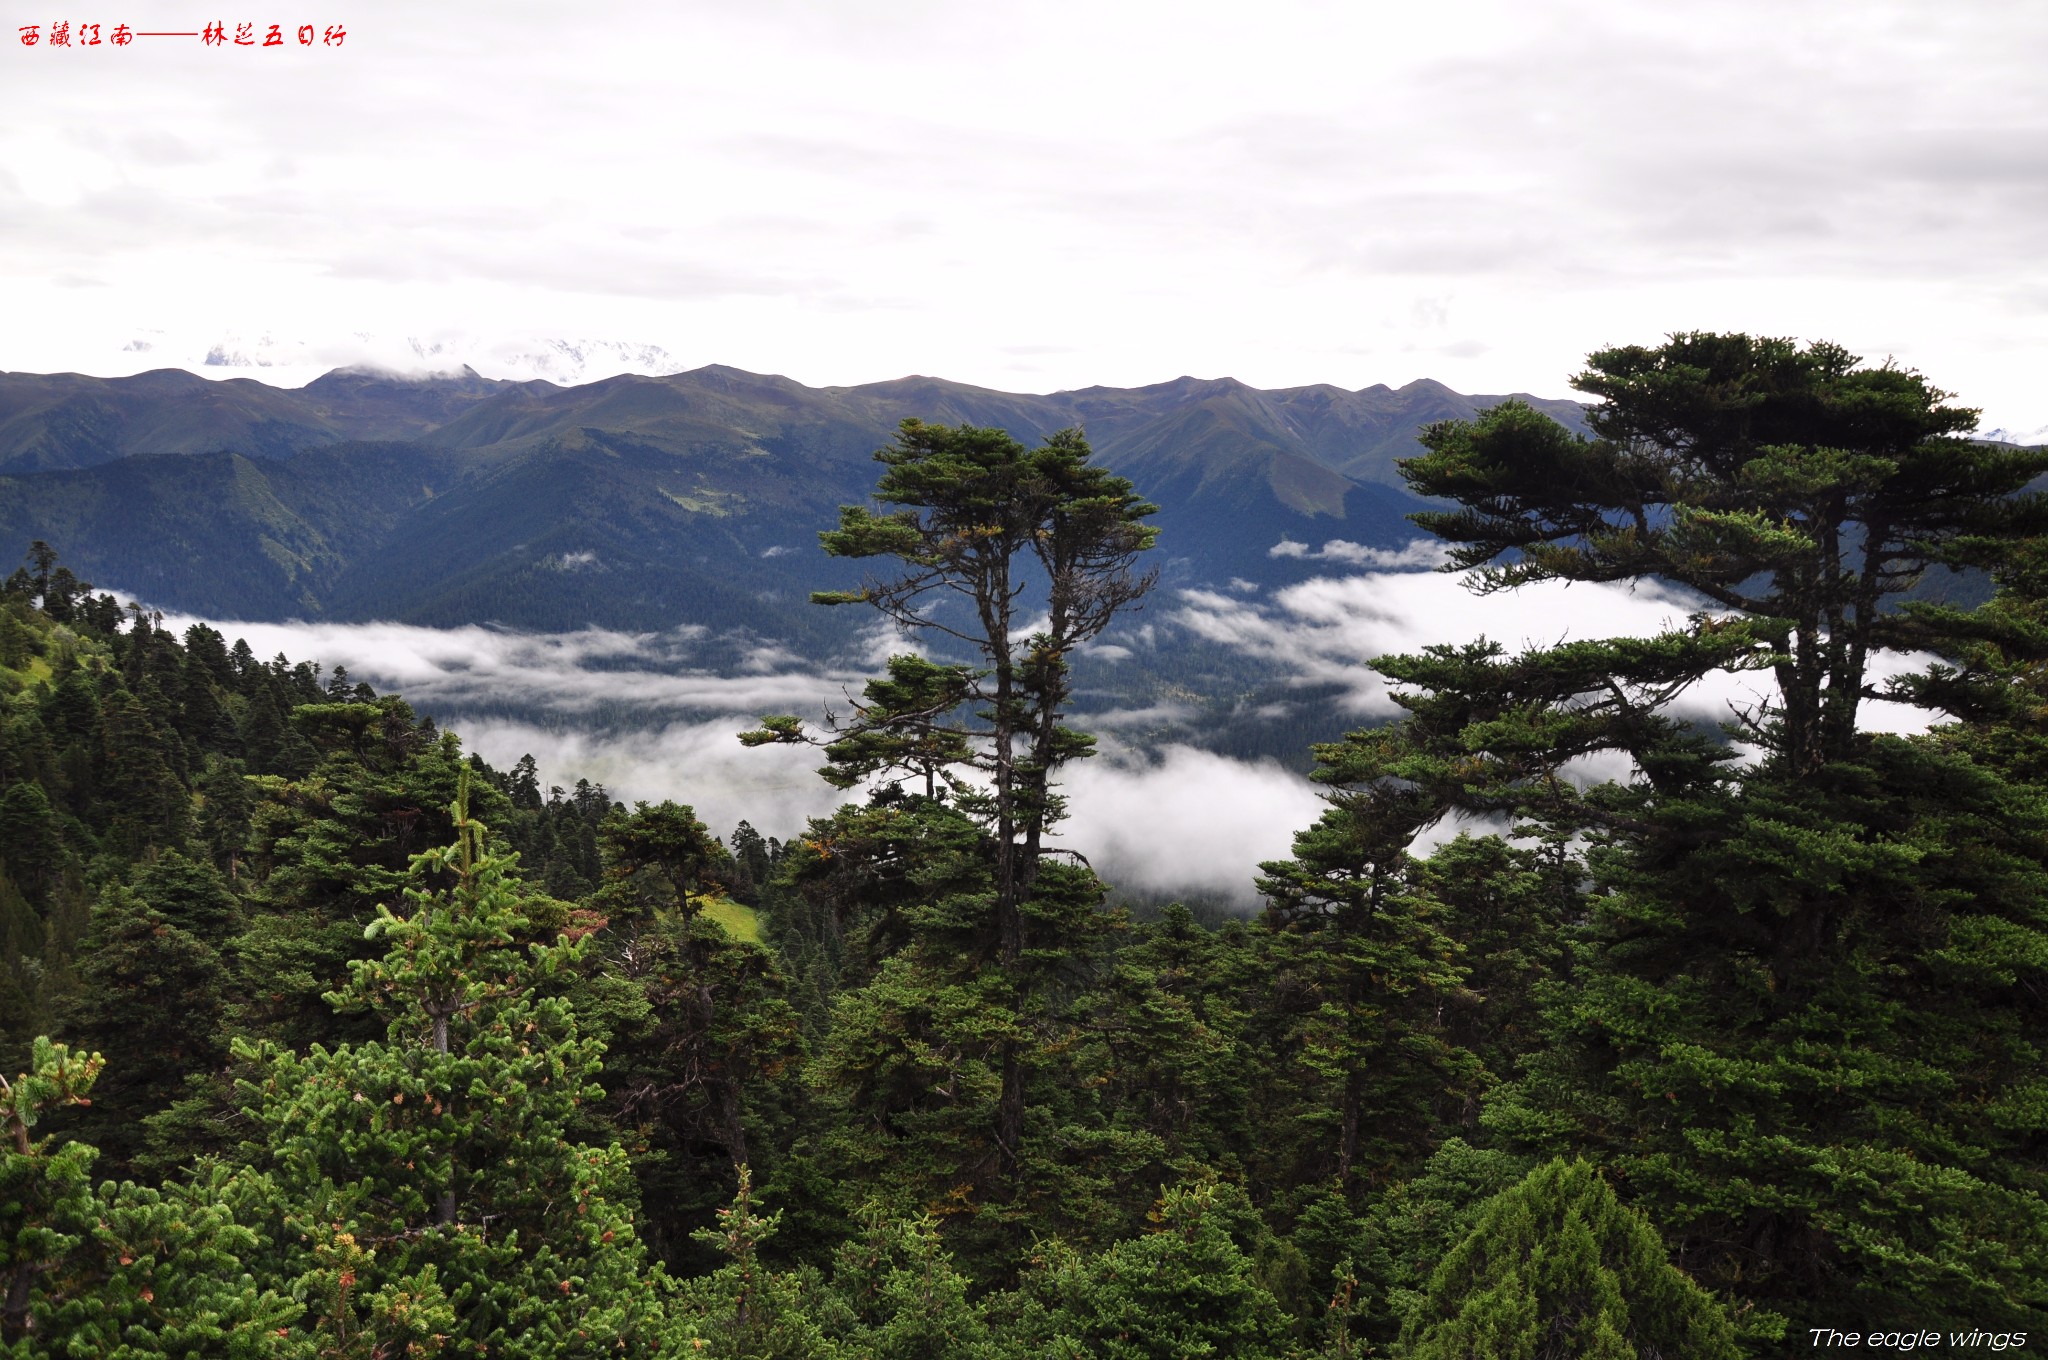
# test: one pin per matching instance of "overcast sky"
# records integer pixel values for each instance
(1046, 195)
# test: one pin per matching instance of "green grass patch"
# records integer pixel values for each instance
(737, 918)
(31, 670)
(718, 504)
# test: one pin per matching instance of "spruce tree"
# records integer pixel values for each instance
(438, 1163)
(1558, 1269)
(153, 998)
(745, 1310)
(896, 1294)
(1184, 1289)
(120, 1272)
(700, 1036)
(1361, 971)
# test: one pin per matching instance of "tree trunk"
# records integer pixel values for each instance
(1010, 1110)
(20, 1322)
(1347, 1137)
(444, 1211)
(735, 1127)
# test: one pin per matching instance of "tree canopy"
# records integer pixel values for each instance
(324, 1038)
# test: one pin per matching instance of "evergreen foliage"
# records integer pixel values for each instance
(1558, 1269)
(333, 1041)
(1759, 1037)
(1185, 1289)
(975, 514)
(438, 1164)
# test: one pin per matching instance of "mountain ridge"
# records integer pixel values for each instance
(683, 498)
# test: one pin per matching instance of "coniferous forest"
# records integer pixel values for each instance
(324, 1038)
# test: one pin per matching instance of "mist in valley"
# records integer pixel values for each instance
(1164, 810)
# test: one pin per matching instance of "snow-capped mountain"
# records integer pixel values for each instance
(285, 361)
(570, 362)
(2004, 435)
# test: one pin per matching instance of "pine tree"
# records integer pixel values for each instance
(1507, 907)
(1170, 1018)
(1768, 1037)
(1361, 972)
(30, 848)
(48, 1200)
(119, 1273)
(152, 997)
(895, 1294)
(700, 1035)
(973, 513)
(912, 1063)
(1558, 1269)
(321, 853)
(745, 1310)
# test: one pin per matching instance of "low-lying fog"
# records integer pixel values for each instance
(654, 715)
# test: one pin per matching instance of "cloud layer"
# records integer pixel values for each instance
(656, 715)
(646, 716)
(1328, 630)
(593, 671)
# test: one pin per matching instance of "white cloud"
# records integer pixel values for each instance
(1419, 553)
(450, 670)
(1328, 631)
(655, 715)
(698, 763)
(1154, 715)
(1187, 821)
(592, 705)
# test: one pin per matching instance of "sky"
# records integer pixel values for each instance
(1032, 197)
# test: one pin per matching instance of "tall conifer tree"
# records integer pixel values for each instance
(1766, 1040)
(974, 518)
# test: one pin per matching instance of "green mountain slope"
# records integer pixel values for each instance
(221, 533)
(636, 501)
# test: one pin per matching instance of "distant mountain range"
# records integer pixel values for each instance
(691, 498)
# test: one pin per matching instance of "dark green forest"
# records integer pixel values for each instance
(324, 1038)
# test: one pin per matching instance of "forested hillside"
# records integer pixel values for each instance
(635, 502)
(325, 1038)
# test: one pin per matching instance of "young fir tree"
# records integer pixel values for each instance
(1558, 1269)
(1185, 1289)
(896, 1294)
(120, 1273)
(49, 1204)
(434, 1167)
(745, 1310)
